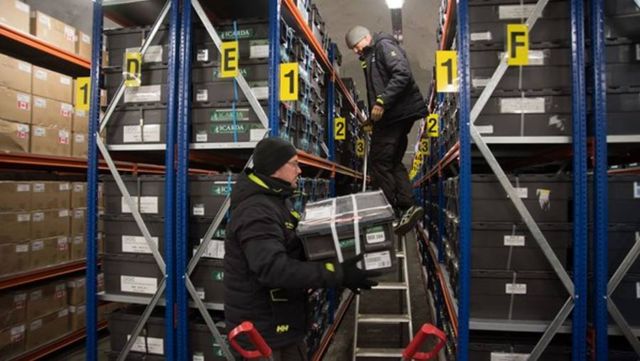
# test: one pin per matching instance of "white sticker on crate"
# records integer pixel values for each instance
(200, 292)
(259, 51)
(24, 217)
(147, 205)
(317, 213)
(256, 135)
(215, 249)
(23, 100)
(137, 244)
(63, 213)
(203, 55)
(261, 92)
(198, 210)
(85, 39)
(484, 36)
(132, 134)
(64, 80)
(636, 190)
(515, 288)
(151, 133)
(501, 356)
(638, 52)
(152, 345)
(480, 82)
(377, 260)
(638, 290)
(508, 12)
(202, 137)
(134, 284)
(484, 129)
(37, 246)
(197, 357)
(22, 248)
(41, 74)
(143, 94)
(522, 105)
(66, 186)
(79, 138)
(202, 95)
(513, 240)
(376, 237)
(38, 217)
(153, 54)
(23, 188)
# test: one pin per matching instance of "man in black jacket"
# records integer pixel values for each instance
(266, 275)
(395, 103)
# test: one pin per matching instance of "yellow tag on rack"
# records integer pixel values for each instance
(132, 69)
(340, 129)
(229, 64)
(360, 148)
(424, 148)
(433, 129)
(447, 71)
(83, 93)
(289, 81)
(517, 44)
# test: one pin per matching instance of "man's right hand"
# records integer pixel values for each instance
(367, 126)
(354, 278)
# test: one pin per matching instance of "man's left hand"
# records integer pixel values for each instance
(376, 112)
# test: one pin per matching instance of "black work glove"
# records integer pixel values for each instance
(354, 278)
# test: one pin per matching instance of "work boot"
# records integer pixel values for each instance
(409, 219)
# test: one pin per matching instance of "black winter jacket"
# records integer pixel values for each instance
(266, 277)
(390, 82)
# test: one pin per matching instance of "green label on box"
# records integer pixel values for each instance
(347, 243)
(230, 128)
(218, 275)
(216, 72)
(239, 34)
(226, 115)
(220, 233)
(221, 190)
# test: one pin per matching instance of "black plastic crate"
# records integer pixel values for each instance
(208, 193)
(627, 298)
(484, 346)
(623, 199)
(131, 125)
(208, 278)
(131, 274)
(122, 234)
(149, 190)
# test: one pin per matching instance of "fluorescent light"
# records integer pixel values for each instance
(395, 4)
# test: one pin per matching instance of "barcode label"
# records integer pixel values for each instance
(516, 288)
(201, 137)
(137, 244)
(377, 260)
(146, 285)
(151, 345)
(215, 249)
(198, 210)
(376, 237)
(514, 241)
(203, 55)
(485, 36)
(202, 95)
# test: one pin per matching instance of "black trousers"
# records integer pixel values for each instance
(293, 352)
(388, 146)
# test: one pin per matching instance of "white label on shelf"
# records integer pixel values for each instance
(132, 134)
(522, 105)
(151, 345)
(79, 138)
(203, 55)
(85, 38)
(638, 290)
(22, 6)
(377, 260)
(485, 36)
(137, 244)
(376, 237)
(515, 288)
(202, 137)
(507, 12)
(202, 95)
(514, 240)
(259, 51)
(151, 133)
(198, 210)
(37, 246)
(23, 188)
(480, 82)
(317, 213)
(501, 356)
(65, 80)
(39, 131)
(200, 292)
(256, 134)
(26, 67)
(146, 285)
(38, 217)
(636, 190)
(484, 129)
(44, 19)
(261, 92)
(22, 248)
(35, 325)
(63, 213)
(215, 249)
(41, 74)
(145, 93)
(24, 217)
(17, 330)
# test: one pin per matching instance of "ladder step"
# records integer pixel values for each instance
(383, 318)
(390, 286)
(379, 352)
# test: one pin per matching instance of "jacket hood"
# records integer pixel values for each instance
(251, 183)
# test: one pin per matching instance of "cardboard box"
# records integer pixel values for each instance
(50, 141)
(13, 308)
(49, 251)
(77, 247)
(78, 221)
(80, 122)
(50, 223)
(15, 74)
(50, 195)
(52, 85)
(15, 106)
(15, 227)
(12, 341)
(51, 113)
(83, 45)
(14, 137)
(79, 146)
(76, 290)
(15, 14)
(47, 328)
(78, 195)
(16, 196)
(45, 299)
(77, 317)
(53, 31)
(14, 258)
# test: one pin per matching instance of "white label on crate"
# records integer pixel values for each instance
(317, 213)
(66, 110)
(153, 54)
(23, 131)
(151, 133)
(146, 285)
(197, 357)
(377, 260)
(132, 134)
(24, 67)
(486, 36)
(38, 217)
(636, 190)
(35, 295)
(522, 105)
(261, 92)
(63, 136)
(480, 82)
(637, 51)
(484, 129)
(78, 213)
(514, 240)
(200, 292)
(507, 12)
(41, 74)
(137, 244)
(24, 217)
(63, 243)
(203, 55)
(23, 188)
(202, 137)
(24, 100)
(147, 205)
(376, 237)
(143, 94)
(215, 249)
(151, 345)
(80, 113)
(22, 6)
(256, 134)
(515, 288)
(202, 95)
(39, 132)
(259, 51)
(63, 213)
(198, 210)
(85, 38)
(35, 325)
(37, 246)
(66, 186)
(44, 19)
(69, 33)
(536, 57)
(501, 356)
(78, 187)
(638, 290)
(65, 80)
(22, 248)
(523, 192)
(79, 138)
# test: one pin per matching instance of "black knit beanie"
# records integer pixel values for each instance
(271, 154)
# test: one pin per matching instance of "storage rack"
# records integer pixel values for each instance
(176, 284)
(457, 322)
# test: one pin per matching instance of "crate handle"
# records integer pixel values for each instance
(262, 349)
(411, 352)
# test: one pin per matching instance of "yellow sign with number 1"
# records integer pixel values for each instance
(289, 81)
(446, 71)
(83, 93)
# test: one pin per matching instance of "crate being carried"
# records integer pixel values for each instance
(339, 228)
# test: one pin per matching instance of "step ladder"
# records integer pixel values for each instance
(385, 319)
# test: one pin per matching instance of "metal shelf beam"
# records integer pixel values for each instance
(142, 300)
(42, 274)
